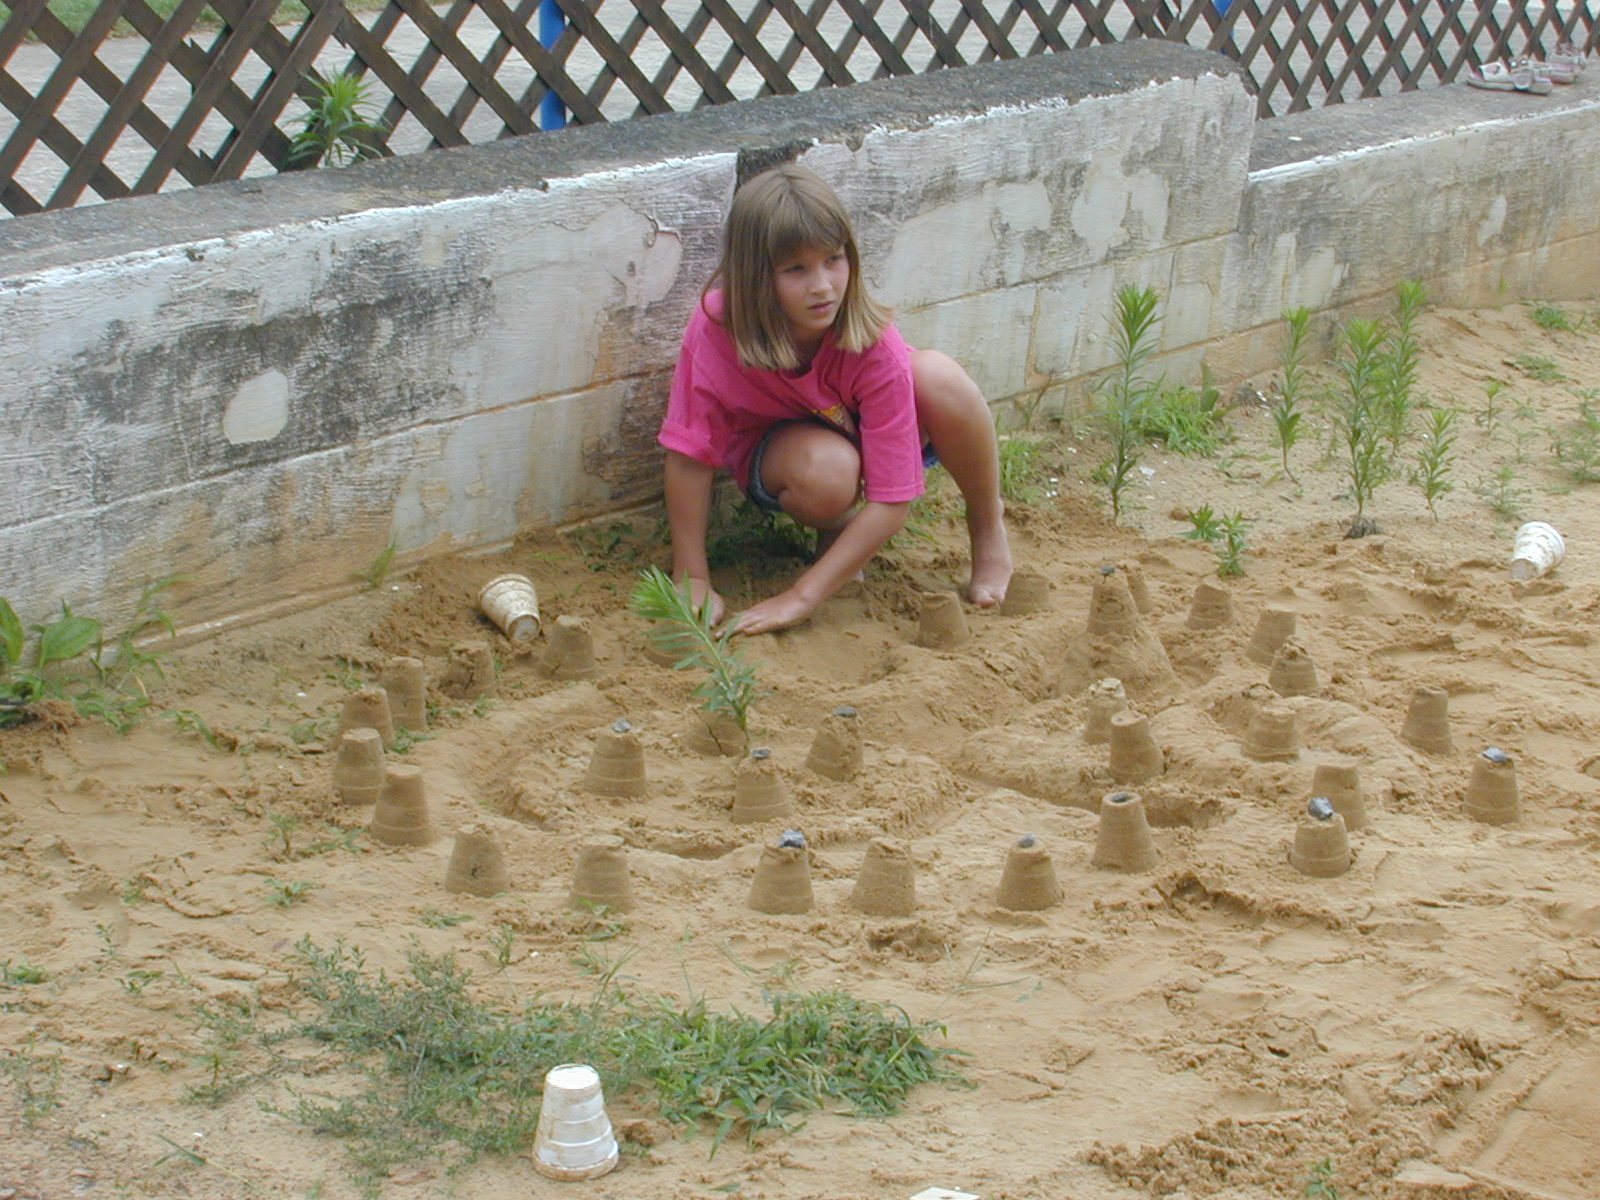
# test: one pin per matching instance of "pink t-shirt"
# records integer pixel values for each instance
(719, 408)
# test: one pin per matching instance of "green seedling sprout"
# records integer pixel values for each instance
(685, 631)
(1126, 393)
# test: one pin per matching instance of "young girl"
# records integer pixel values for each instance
(792, 378)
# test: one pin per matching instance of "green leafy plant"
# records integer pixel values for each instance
(685, 631)
(371, 578)
(1231, 545)
(188, 721)
(36, 1079)
(1356, 418)
(340, 125)
(1126, 394)
(1537, 366)
(1577, 449)
(1189, 421)
(1436, 458)
(433, 918)
(1502, 493)
(22, 973)
(503, 940)
(282, 892)
(1489, 413)
(280, 841)
(1399, 365)
(1020, 474)
(1552, 319)
(1285, 406)
(1205, 526)
(1318, 1183)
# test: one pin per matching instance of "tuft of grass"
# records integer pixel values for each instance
(682, 629)
(1318, 1183)
(372, 576)
(433, 918)
(1537, 366)
(22, 973)
(36, 1079)
(744, 533)
(1189, 421)
(1553, 319)
(1021, 477)
(1577, 448)
(284, 892)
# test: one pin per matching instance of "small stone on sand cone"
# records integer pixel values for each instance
(836, 751)
(941, 624)
(616, 768)
(1340, 784)
(1124, 842)
(782, 883)
(477, 863)
(366, 708)
(886, 885)
(1028, 882)
(1135, 756)
(1272, 736)
(1029, 592)
(1137, 587)
(1492, 796)
(469, 674)
(713, 733)
(1111, 607)
(758, 791)
(358, 767)
(1105, 699)
(1274, 627)
(1293, 673)
(1211, 608)
(569, 650)
(1427, 725)
(401, 818)
(600, 878)
(404, 680)
(1321, 847)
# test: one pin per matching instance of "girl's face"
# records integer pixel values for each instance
(810, 285)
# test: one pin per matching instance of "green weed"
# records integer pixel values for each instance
(743, 533)
(1206, 527)
(1400, 360)
(1287, 414)
(1436, 458)
(1489, 413)
(1231, 545)
(1319, 1182)
(1356, 415)
(1125, 396)
(1577, 449)
(339, 127)
(1502, 493)
(503, 941)
(376, 571)
(136, 980)
(37, 1081)
(1552, 319)
(1536, 366)
(22, 973)
(1189, 421)
(282, 893)
(188, 721)
(1021, 479)
(682, 629)
(433, 918)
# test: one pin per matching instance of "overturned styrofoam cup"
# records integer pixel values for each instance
(1537, 549)
(574, 1139)
(512, 604)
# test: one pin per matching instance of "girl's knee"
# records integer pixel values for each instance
(817, 478)
(943, 388)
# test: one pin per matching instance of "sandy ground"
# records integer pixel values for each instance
(1213, 1026)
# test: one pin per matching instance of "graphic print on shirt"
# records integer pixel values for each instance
(839, 417)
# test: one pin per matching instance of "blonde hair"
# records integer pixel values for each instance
(774, 215)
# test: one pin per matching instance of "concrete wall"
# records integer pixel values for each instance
(259, 385)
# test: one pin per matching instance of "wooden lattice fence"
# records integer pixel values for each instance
(135, 102)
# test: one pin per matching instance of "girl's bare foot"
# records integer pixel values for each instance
(991, 566)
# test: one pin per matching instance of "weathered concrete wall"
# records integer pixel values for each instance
(259, 385)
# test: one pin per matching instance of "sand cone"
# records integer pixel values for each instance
(1427, 725)
(1028, 882)
(1111, 606)
(1272, 736)
(1124, 842)
(758, 791)
(886, 885)
(1105, 699)
(1274, 627)
(782, 883)
(1137, 587)
(1293, 673)
(836, 751)
(1492, 795)
(401, 818)
(713, 733)
(942, 625)
(1340, 785)
(477, 863)
(1029, 592)
(1135, 756)
(569, 650)
(366, 708)
(600, 877)
(1211, 608)
(407, 685)
(1321, 847)
(358, 769)
(616, 768)
(469, 675)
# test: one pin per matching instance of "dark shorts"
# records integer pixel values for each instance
(765, 500)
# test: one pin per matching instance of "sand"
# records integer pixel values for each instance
(1212, 1026)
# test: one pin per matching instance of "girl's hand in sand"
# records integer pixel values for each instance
(703, 595)
(780, 612)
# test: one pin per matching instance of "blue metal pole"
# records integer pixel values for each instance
(552, 23)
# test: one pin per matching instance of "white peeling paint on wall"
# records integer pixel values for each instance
(259, 409)
(1494, 221)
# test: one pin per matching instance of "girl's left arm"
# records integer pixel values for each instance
(873, 525)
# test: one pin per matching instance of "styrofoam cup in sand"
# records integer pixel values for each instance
(1538, 548)
(574, 1139)
(512, 604)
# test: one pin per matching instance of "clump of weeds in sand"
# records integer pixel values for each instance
(434, 918)
(1125, 396)
(502, 940)
(447, 1073)
(1021, 475)
(22, 973)
(1357, 418)
(1285, 405)
(1188, 421)
(685, 631)
(372, 577)
(36, 1079)
(187, 721)
(1538, 367)
(1553, 319)
(1318, 1183)
(1502, 492)
(340, 125)
(1436, 458)
(281, 893)
(1577, 448)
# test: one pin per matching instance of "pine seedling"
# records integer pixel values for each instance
(1126, 393)
(684, 630)
(1286, 412)
(1436, 458)
(1355, 413)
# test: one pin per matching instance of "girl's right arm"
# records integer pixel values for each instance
(687, 484)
